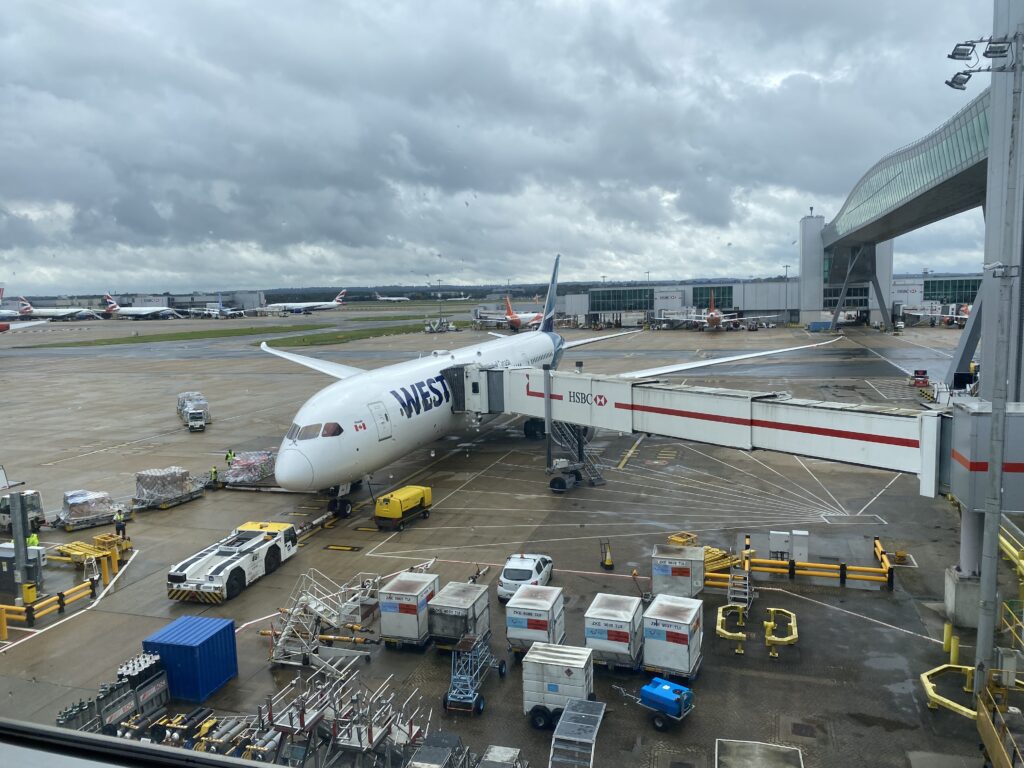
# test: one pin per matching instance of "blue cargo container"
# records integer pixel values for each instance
(198, 653)
(819, 325)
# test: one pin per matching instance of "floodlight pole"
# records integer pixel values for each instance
(1005, 273)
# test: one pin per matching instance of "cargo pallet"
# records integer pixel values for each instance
(404, 643)
(472, 660)
(77, 524)
(140, 505)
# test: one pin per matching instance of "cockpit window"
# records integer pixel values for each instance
(331, 429)
(293, 431)
(309, 431)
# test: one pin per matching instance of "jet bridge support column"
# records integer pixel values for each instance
(846, 286)
(547, 412)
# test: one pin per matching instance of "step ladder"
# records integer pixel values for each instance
(575, 737)
(740, 590)
(565, 437)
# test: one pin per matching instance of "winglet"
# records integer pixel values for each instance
(547, 323)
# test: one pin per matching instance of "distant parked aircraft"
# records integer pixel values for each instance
(137, 313)
(309, 306)
(390, 298)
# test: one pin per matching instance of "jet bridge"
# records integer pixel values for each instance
(898, 439)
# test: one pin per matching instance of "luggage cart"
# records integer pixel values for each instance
(472, 659)
(669, 702)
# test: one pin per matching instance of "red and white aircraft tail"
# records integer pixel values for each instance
(24, 308)
(112, 306)
(340, 298)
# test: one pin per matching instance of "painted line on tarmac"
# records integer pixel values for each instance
(629, 453)
(813, 495)
(82, 612)
(875, 497)
(876, 389)
(838, 506)
(925, 346)
(851, 613)
(880, 356)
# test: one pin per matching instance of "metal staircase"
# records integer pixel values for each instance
(564, 435)
(740, 590)
(318, 605)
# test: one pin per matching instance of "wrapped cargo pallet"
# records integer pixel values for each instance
(250, 467)
(613, 625)
(84, 509)
(458, 609)
(673, 635)
(403, 609)
(160, 484)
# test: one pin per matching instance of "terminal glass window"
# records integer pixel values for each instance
(702, 296)
(955, 290)
(856, 297)
(621, 299)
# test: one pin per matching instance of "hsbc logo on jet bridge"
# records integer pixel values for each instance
(422, 396)
(585, 398)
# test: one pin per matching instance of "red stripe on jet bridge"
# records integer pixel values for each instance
(903, 442)
(982, 466)
(532, 393)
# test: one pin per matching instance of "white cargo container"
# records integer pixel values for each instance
(553, 674)
(535, 614)
(677, 570)
(673, 635)
(403, 608)
(458, 609)
(613, 626)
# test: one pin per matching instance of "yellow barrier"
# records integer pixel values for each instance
(54, 604)
(739, 637)
(771, 639)
(936, 700)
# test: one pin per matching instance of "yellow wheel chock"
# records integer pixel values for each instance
(773, 640)
(739, 637)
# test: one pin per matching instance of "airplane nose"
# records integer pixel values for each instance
(293, 471)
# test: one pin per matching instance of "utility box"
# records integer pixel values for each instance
(779, 545)
(403, 608)
(198, 654)
(535, 614)
(458, 609)
(677, 570)
(800, 546)
(553, 674)
(673, 635)
(613, 626)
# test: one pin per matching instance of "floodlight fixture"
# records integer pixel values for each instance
(959, 81)
(962, 52)
(997, 49)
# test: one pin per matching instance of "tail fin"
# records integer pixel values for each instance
(547, 322)
(508, 307)
(340, 298)
(711, 303)
(1, 292)
(112, 306)
(24, 308)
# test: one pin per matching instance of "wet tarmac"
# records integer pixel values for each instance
(92, 417)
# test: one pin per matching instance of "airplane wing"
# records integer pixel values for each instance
(499, 335)
(581, 342)
(337, 370)
(15, 327)
(666, 369)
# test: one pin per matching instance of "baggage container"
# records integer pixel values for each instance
(403, 608)
(677, 570)
(553, 674)
(535, 614)
(198, 654)
(673, 636)
(613, 625)
(458, 609)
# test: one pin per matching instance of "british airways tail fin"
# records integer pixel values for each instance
(547, 322)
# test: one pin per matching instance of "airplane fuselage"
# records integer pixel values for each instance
(385, 414)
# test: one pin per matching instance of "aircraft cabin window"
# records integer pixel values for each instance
(331, 429)
(309, 432)
(292, 432)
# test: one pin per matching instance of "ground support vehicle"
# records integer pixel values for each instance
(393, 510)
(221, 571)
(31, 503)
(669, 702)
(472, 660)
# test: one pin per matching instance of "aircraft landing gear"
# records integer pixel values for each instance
(534, 429)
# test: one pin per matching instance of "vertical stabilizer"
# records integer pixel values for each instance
(547, 322)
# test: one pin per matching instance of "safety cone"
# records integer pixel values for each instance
(606, 555)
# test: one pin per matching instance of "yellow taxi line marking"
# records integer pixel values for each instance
(630, 452)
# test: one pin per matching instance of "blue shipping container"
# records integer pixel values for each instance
(198, 653)
(819, 325)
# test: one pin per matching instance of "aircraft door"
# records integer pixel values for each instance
(380, 416)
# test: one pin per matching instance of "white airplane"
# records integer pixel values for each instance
(25, 309)
(458, 298)
(516, 321)
(338, 302)
(390, 298)
(136, 313)
(370, 419)
(715, 319)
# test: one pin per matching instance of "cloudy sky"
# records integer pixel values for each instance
(216, 144)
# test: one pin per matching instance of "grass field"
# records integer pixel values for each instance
(215, 333)
(340, 337)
